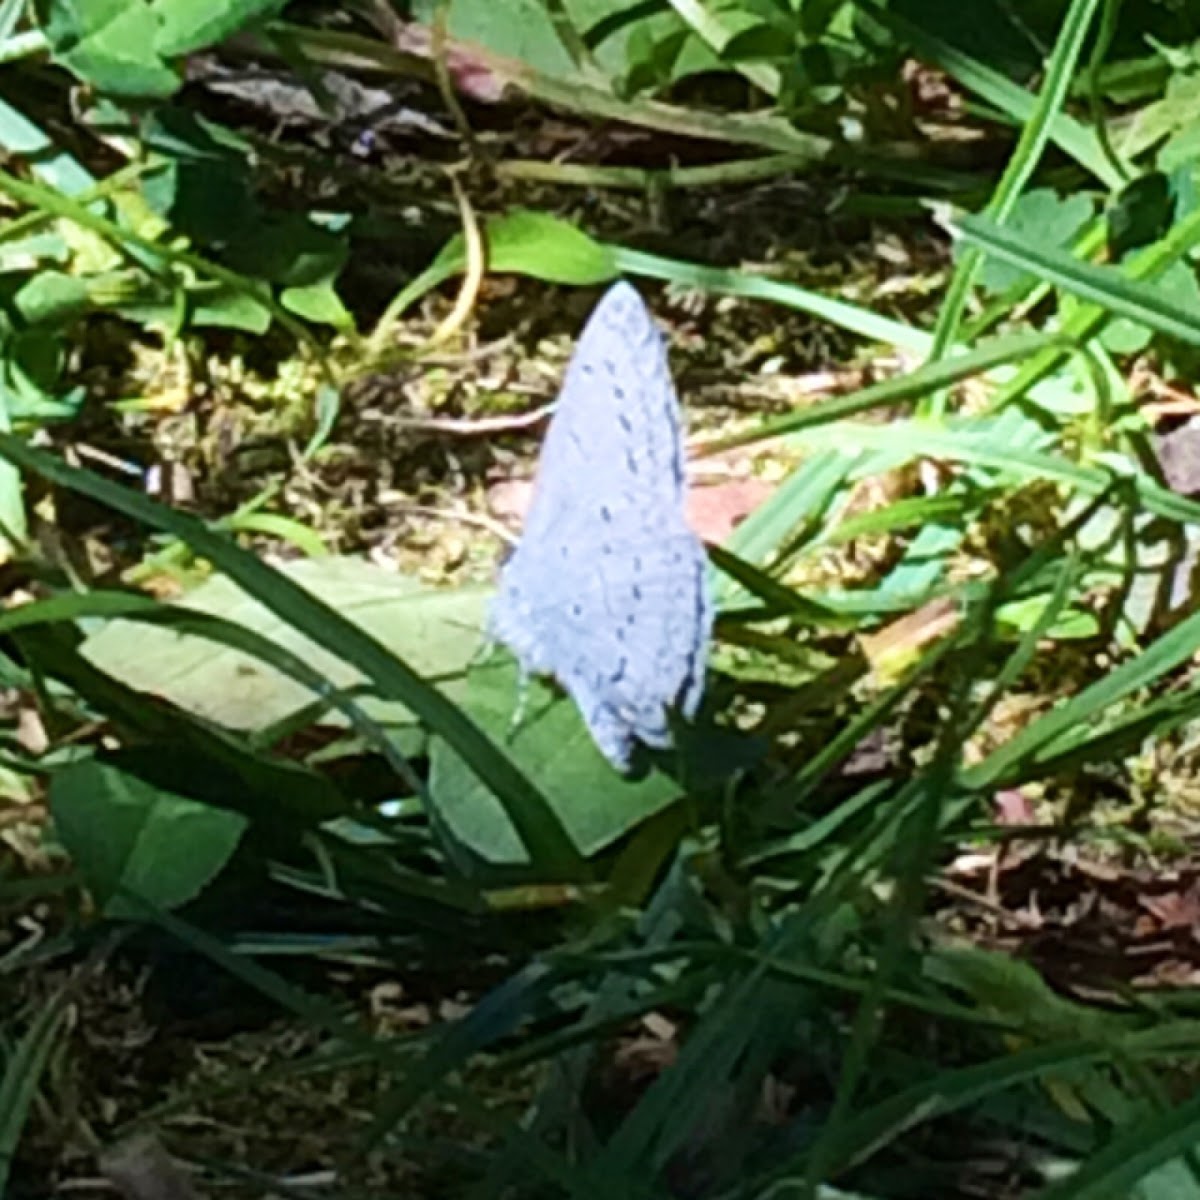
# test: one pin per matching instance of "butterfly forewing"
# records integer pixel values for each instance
(615, 434)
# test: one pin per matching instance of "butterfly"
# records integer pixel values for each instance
(607, 590)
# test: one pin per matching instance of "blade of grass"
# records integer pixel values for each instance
(891, 393)
(913, 853)
(862, 321)
(1039, 737)
(1019, 105)
(958, 1089)
(972, 441)
(1086, 321)
(540, 831)
(1109, 287)
(1035, 134)
(24, 1068)
(1131, 1155)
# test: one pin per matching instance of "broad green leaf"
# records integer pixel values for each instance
(318, 302)
(292, 249)
(660, 51)
(23, 139)
(1172, 116)
(519, 29)
(524, 242)
(108, 43)
(436, 631)
(551, 744)
(1140, 214)
(125, 833)
(209, 199)
(31, 375)
(328, 627)
(52, 296)
(185, 25)
(29, 253)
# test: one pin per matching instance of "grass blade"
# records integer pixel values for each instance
(539, 829)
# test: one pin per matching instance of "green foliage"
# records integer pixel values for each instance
(236, 689)
(129, 47)
(552, 746)
(24, 1062)
(326, 728)
(112, 44)
(177, 241)
(128, 835)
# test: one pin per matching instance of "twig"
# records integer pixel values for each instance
(471, 426)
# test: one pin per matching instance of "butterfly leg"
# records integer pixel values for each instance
(522, 704)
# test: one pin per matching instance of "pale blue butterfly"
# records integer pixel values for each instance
(608, 591)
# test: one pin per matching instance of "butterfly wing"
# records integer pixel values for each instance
(607, 591)
(614, 439)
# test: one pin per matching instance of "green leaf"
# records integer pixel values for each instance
(1176, 284)
(220, 305)
(125, 833)
(1047, 219)
(52, 297)
(519, 29)
(663, 51)
(1022, 615)
(432, 629)
(25, 140)
(185, 25)
(318, 302)
(553, 747)
(292, 249)
(30, 253)
(524, 242)
(204, 189)
(1114, 289)
(29, 375)
(108, 43)
(1140, 214)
